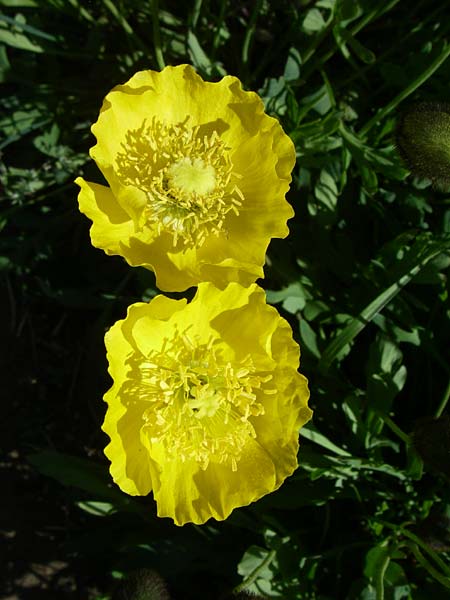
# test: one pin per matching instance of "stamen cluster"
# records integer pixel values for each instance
(187, 175)
(198, 403)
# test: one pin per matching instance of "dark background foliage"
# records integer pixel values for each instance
(361, 278)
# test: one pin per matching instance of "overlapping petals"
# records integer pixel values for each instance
(206, 402)
(197, 176)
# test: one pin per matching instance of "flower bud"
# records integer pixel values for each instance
(423, 140)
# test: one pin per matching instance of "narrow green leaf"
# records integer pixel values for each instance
(414, 261)
(197, 54)
(309, 337)
(83, 474)
(18, 40)
(310, 433)
(98, 509)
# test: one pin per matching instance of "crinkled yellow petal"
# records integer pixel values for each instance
(222, 341)
(196, 319)
(110, 223)
(230, 270)
(113, 231)
(130, 466)
(150, 324)
(248, 326)
(188, 494)
(261, 155)
(172, 95)
(218, 260)
(264, 214)
(125, 450)
(284, 414)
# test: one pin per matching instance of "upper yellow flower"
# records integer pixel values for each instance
(206, 403)
(197, 174)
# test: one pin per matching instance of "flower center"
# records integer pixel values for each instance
(192, 176)
(198, 406)
(187, 176)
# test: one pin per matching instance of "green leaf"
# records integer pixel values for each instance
(319, 100)
(313, 21)
(353, 411)
(310, 433)
(309, 338)
(19, 3)
(99, 509)
(18, 40)
(5, 263)
(293, 305)
(198, 56)
(83, 474)
(362, 591)
(416, 258)
(398, 333)
(397, 585)
(326, 190)
(376, 559)
(5, 66)
(293, 293)
(348, 10)
(414, 464)
(293, 64)
(47, 142)
(19, 23)
(256, 566)
(343, 36)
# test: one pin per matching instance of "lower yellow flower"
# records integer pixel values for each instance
(206, 403)
(197, 176)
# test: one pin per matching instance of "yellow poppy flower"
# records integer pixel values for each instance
(197, 176)
(206, 403)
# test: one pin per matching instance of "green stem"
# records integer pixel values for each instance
(381, 57)
(317, 41)
(83, 12)
(379, 583)
(395, 428)
(329, 87)
(445, 581)
(157, 35)
(443, 403)
(254, 574)
(250, 32)
(196, 13)
(420, 543)
(124, 24)
(374, 14)
(219, 24)
(412, 87)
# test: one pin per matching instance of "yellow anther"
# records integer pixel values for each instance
(199, 407)
(188, 179)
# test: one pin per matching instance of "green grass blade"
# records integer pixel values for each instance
(250, 32)
(23, 27)
(125, 25)
(412, 87)
(157, 35)
(421, 256)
